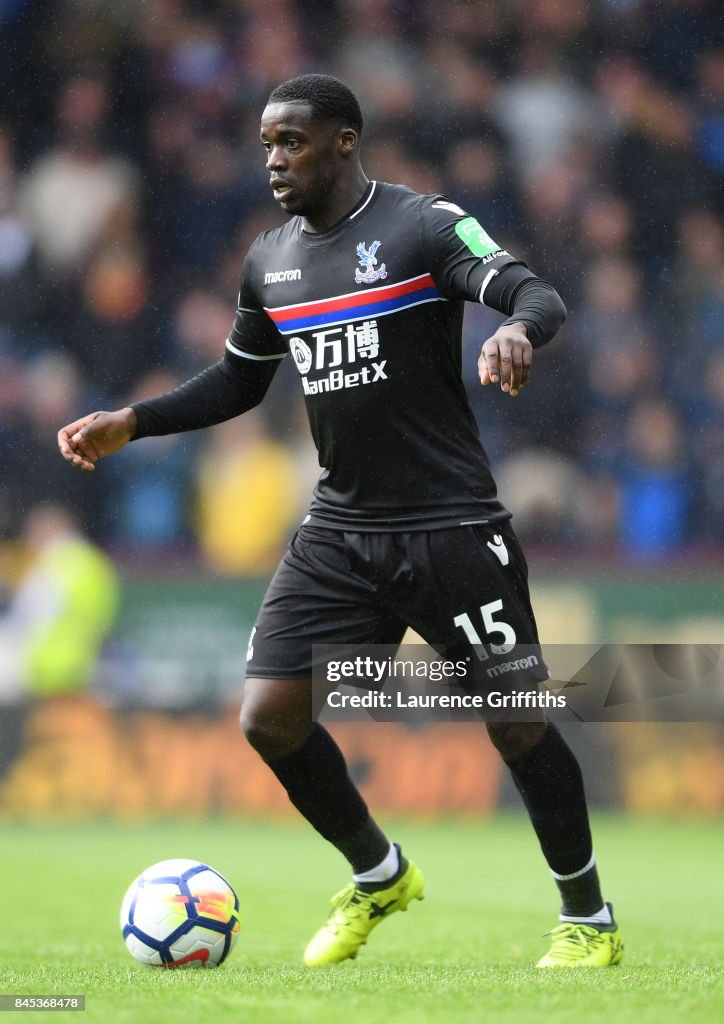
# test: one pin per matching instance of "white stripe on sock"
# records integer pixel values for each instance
(575, 874)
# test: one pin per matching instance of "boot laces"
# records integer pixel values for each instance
(569, 938)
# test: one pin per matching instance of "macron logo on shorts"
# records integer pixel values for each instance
(497, 546)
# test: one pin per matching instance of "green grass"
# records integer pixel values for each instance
(463, 955)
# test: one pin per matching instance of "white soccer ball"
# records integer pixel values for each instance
(180, 913)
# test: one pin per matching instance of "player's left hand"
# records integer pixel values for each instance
(507, 357)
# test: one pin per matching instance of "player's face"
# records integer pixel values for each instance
(303, 157)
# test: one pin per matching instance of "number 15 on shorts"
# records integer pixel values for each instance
(491, 626)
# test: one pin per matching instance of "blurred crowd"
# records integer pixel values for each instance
(587, 136)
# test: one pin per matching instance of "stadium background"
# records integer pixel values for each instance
(587, 137)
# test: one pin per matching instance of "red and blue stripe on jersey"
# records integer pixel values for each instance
(341, 309)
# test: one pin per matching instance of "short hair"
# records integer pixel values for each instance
(330, 99)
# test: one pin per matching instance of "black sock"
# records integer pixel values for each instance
(317, 783)
(549, 779)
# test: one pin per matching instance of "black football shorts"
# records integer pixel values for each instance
(459, 588)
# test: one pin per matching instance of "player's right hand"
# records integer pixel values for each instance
(506, 358)
(93, 437)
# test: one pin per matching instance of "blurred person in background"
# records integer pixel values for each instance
(61, 610)
(23, 289)
(261, 51)
(148, 498)
(70, 192)
(654, 484)
(691, 334)
(542, 110)
(451, 104)
(654, 159)
(542, 488)
(478, 172)
(51, 383)
(672, 33)
(606, 227)
(200, 318)
(246, 498)
(113, 333)
(622, 360)
(614, 309)
(207, 204)
(554, 195)
(12, 461)
(709, 105)
(696, 303)
(708, 456)
(375, 37)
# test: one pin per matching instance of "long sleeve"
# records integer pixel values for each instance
(220, 392)
(525, 298)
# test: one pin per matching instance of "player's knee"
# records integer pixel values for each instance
(269, 735)
(514, 739)
(260, 730)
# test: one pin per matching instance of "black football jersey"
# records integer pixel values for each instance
(371, 312)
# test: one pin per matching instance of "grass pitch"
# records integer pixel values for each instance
(464, 955)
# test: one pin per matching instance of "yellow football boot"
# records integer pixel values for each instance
(355, 913)
(584, 945)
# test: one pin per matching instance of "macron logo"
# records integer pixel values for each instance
(275, 276)
(497, 546)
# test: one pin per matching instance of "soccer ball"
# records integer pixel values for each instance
(180, 913)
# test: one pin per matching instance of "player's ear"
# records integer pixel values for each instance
(347, 141)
